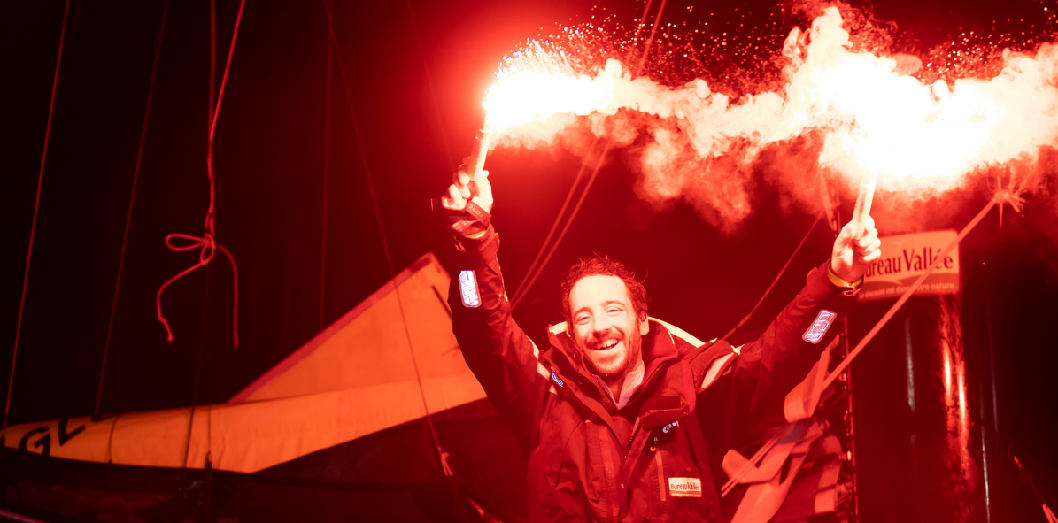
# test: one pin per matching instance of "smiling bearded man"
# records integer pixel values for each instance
(607, 323)
(625, 417)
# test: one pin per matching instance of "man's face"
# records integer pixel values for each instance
(606, 327)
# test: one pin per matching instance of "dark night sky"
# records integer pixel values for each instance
(417, 84)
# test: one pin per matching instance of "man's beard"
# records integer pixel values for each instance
(613, 353)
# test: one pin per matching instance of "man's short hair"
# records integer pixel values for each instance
(602, 264)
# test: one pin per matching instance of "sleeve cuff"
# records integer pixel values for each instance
(477, 235)
(476, 242)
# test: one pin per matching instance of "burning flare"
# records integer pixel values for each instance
(876, 122)
(537, 86)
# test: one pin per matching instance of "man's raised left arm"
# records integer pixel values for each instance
(770, 366)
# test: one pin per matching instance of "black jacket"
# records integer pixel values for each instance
(657, 458)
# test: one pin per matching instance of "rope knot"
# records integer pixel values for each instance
(1010, 196)
(208, 246)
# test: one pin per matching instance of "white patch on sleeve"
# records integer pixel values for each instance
(468, 290)
(820, 326)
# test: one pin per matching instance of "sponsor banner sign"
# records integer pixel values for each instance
(904, 258)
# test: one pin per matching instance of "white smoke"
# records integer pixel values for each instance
(865, 114)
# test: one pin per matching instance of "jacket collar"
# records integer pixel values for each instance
(666, 393)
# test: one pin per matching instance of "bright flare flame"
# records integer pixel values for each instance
(916, 136)
(874, 121)
(524, 96)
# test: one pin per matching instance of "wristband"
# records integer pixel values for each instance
(476, 235)
(838, 282)
(479, 214)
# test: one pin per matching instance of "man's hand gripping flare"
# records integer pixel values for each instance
(468, 203)
(854, 249)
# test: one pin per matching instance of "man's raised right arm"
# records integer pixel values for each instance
(496, 349)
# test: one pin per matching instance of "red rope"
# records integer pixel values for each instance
(834, 374)
(774, 282)
(326, 174)
(128, 213)
(650, 39)
(547, 251)
(207, 243)
(642, 20)
(442, 455)
(439, 119)
(535, 269)
(212, 53)
(36, 209)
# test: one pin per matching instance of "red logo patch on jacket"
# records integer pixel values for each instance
(685, 487)
(820, 326)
